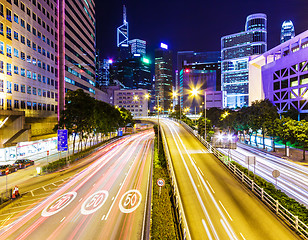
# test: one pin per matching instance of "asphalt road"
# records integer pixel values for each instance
(293, 179)
(107, 200)
(216, 205)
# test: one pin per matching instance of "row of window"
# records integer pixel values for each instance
(25, 73)
(34, 16)
(23, 57)
(28, 105)
(30, 90)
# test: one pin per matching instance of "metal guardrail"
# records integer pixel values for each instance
(178, 201)
(272, 203)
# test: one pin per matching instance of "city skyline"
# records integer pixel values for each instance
(182, 20)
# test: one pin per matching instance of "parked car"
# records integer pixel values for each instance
(10, 167)
(23, 163)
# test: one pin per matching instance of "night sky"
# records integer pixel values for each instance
(194, 25)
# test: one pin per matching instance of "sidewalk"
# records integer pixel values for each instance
(296, 155)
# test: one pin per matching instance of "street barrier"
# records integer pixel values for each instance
(176, 193)
(272, 203)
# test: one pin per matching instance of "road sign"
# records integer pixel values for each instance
(250, 160)
(62, 140)
(120, 133)
(276, 173)
(47, 152)
(7, 171)
(160, 182)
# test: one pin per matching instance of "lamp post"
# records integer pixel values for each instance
(147, 97)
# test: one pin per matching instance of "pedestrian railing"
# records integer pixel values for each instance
(185, 234)
(272, 203)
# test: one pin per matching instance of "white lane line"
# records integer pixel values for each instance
(54, 184)
(226, 229)
(201, 172)
(80, 199)
(103, 217)
(62, 219)
(44, 189)
(112, 199)
(32, 193)
(210, 186)
(225, 210)
(242, 236)
(194, 186)
(120, 188)
(203, 182)
(207, 230)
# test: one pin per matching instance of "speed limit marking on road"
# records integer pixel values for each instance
(59, 204)
(160, 182)
(130, 201)
(94, 202)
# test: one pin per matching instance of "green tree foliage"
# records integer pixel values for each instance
(87, 117)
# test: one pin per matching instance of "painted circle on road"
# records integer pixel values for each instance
(94, 202)
(59, 204)
(130, 201)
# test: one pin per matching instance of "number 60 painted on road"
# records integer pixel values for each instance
(130, 201)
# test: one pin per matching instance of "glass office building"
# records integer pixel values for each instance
(236, 50)
(287, 31)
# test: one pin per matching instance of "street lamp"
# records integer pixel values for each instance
(195, 92)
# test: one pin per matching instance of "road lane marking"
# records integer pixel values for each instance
(207, 230)
(210, 186)
(225, 210)
(112, 199)
(201, 172)
(195, 187)
(80, 200)
(103, 217)
(62, 219)
(32, 193)
(203, 182)
(226, 229)
(120, 187)
(44, 189)
(242, 236)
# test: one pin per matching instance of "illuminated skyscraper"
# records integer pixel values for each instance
(163, 77)
(236, 50)
(122, 31)
(287, 31)
(138, 46)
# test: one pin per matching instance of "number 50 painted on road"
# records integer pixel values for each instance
(130, 201)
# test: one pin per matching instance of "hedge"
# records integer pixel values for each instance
(163, 222)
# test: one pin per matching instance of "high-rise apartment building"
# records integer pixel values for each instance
(163, 77)
(47, 47)
(28, 42)
(287, 31)
(236, 50)
(76, 47)
(138, 47)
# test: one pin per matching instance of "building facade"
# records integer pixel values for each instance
(134, 100)
(77, 49)
(282, 75)
(236, 50)
(138, 47)
(163, 78)
(28, 63)
(287, 31)
(201, 77)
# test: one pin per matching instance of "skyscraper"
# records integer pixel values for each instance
(138, 47)
(236, 49)
(287, 31)
(163, 77)
(76, 43)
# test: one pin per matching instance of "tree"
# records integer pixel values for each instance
(299, 133)
(283, 130)
(263, 114)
